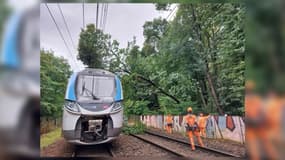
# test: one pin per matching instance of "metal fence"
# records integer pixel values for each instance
(49, 124)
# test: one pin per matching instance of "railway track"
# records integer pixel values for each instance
(100, 150)
(181, 148)
(197, 146)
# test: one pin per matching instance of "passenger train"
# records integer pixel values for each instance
(93, 111)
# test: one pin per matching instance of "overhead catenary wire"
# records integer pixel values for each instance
(61, 35)
(105, 17)
(83, 14)
(66, 26)
(171, 13)
(97, 11)
(102, 15)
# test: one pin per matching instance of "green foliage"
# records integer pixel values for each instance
(54, 76)
(153, 32)
(162, 6)
(4, 12)
(197, 59)
(265, 63)
(93, 47)
(138, 108)
(49, 138)
(167, 106)
(137, 128)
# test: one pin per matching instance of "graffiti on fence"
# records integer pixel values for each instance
(226, 127)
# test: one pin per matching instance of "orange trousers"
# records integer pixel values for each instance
(203, 131)
(256, 138)
(191, 138)
(168, 129)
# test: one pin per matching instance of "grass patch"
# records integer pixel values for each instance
(137, 128)
(51, 137)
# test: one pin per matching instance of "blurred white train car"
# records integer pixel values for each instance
(20, 84)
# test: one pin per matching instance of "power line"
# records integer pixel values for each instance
(66, 26)
(97, 15)
(171, 12)
(174, 13)
(61, 35)
(83, 14)
(105, 18)
(107, 7)
(102, 15)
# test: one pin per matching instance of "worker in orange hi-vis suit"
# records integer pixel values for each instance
(252, 108)
(202, 121)
(274, 115)
(273, 128)
(169, 124)
(192, 128)
(256, 124)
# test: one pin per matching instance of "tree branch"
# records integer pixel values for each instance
(153, 84)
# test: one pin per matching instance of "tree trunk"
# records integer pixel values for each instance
(198, 29)
(201, 90)
(214, 95)
(202, 98)
(203, 86)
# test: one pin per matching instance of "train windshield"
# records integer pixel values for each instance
(94, 87)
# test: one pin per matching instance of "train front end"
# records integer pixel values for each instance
(93, 111)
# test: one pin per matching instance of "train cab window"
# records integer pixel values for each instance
(95, 87)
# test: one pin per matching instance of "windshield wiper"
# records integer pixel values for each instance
(90, 92)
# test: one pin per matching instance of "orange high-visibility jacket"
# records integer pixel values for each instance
(169, 119)
(274, 112)
(202, 121)
(252, 106)
(190, 119)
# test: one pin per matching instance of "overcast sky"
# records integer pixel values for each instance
(123, 22)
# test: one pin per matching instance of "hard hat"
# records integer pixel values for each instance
(189, 109)
(249, 84)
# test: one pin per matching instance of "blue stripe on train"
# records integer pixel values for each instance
(10, 55)
(70, 92)
(119, 92)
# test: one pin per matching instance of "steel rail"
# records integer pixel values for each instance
(159, 146)
(197, 146)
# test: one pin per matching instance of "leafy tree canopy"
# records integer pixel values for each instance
(54, 73)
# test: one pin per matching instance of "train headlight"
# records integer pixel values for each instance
(117, 106)
(72, 106)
